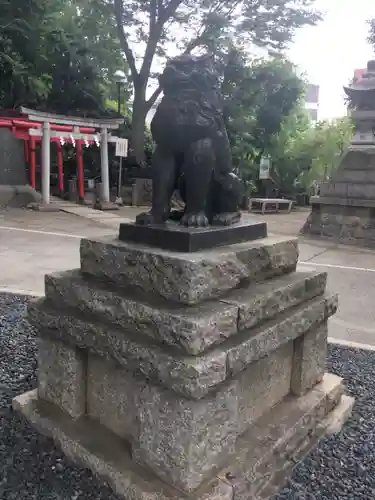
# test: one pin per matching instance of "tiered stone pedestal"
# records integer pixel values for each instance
(186, 375)
(345, 209)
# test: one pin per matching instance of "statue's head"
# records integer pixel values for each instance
(189, 71)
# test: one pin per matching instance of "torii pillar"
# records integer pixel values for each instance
(103, 201)
(46, 163)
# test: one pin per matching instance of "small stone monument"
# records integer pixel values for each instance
(186, 359)
(344, 210)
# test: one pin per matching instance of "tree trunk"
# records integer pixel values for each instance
(138, 123)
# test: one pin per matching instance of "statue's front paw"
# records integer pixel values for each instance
(195, 220)
(226, 219)
(148, 219)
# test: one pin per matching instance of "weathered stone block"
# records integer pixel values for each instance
(339, 189)
(351, 175)
(191, 329)
(61, 376)
(356, 190)
(113, 397)
(309, 362)
(287, 326)
(183, 440)
(273, 446)
(190, 376)
(187, 278)
(263, 384)
(265, 300)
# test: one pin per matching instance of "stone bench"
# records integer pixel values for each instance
(264, 205)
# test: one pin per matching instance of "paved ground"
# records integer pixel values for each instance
(33, 244)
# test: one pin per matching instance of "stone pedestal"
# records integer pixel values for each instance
(345, 209)
(142, 193)
(99, 204)
(186, 375)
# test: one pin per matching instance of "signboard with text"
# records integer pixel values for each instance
(265, 168)
(121, 147)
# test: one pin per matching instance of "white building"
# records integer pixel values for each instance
(312, 100)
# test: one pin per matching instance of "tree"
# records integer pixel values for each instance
(259, 96)
(290, 152)
(58, 55)
(75, 86)
(25, 28)
(305, 153)
(154, 24)
(93, 24)
(371, 34)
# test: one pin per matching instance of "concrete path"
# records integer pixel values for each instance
(111, 218)
(35, 243)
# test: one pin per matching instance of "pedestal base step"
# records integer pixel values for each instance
(172, 236)
(349, 225)
(264, 458)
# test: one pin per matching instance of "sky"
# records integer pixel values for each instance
(329, 52)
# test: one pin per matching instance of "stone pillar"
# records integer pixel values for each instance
(46, 163)
(104, 165)
(61, 376)
(309, 362)
(72, 189)
(204, 368)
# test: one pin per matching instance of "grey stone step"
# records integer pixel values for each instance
(349, 189)
(352, 175)
(188, 278)
(192, 329)
(272, 448)
(342, 201)
(190, 376)
(262, 459)
(358, 160)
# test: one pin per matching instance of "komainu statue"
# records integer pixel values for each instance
(192, 149)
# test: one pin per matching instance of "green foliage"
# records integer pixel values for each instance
(58, 55)
(371, 34)
(290, 158)
(93, 23)
(258, 95)
(154, 25)
(24, 33)
(75, 86)
(307, 153)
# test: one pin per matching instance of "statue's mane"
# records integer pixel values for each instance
(192, 80)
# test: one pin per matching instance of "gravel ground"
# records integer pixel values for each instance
(342, 467)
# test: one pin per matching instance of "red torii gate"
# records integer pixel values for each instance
(20, 127)
(32, 126)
